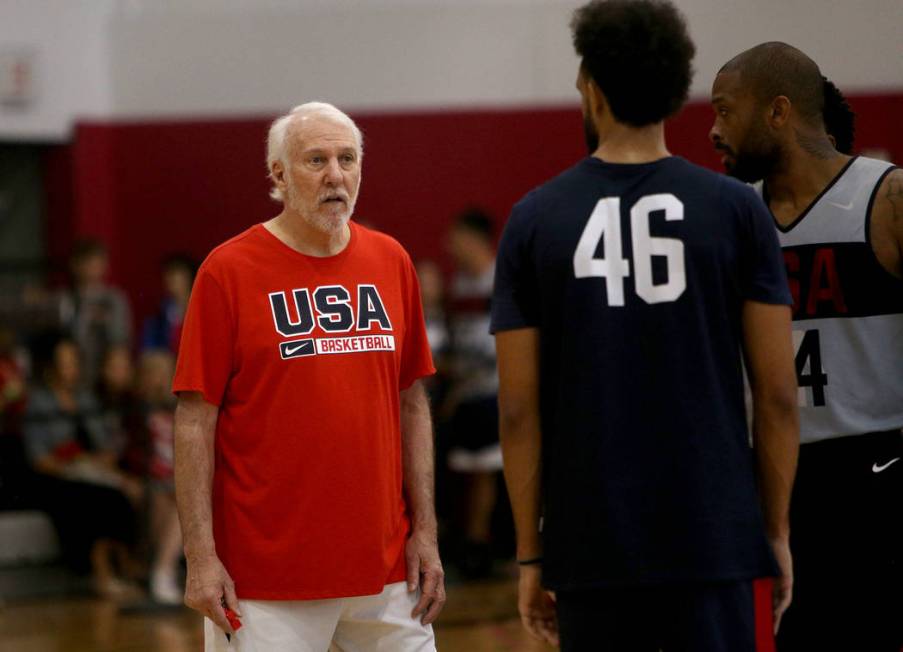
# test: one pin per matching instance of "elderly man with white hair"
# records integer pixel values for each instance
(304, 455)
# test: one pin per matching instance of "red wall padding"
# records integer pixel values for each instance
(150, 188)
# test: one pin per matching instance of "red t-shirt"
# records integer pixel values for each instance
(305, 358)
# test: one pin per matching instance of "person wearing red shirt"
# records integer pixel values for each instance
(303, 441)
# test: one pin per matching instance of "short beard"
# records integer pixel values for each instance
(754, 166)
(325, 223)
(590, 135)
(756, 159)
(329, 223)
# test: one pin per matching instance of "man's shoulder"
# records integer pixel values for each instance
(707, 179)
(726, 190)
(378, 242)
(559, 190)
(562, 182)
(886, 218)
(230, 251)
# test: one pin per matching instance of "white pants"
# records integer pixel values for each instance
(363, 624)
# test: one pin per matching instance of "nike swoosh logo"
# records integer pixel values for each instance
(296, 349)
(845, 207)
(879, 469)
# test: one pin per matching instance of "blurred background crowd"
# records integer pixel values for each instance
(87, 422)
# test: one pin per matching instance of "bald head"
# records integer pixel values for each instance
(772, 69)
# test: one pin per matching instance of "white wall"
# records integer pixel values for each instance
(856, 43)
(433, 53)
(367, 55)
(69, 41)
(180, 58)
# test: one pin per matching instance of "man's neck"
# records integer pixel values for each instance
(624, 144)
(799, 179)
(297, 233)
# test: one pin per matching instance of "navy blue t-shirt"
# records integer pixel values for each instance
(635, 276)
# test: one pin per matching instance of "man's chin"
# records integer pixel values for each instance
(741, 173)
(330, 222)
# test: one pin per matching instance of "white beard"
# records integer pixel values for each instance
(323, 217)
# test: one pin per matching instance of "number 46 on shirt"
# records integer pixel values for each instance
(605, 224)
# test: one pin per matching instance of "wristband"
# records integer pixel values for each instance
(529, 562)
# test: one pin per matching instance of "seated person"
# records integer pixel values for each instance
(78, 483)
(155, 437)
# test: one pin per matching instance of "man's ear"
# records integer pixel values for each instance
(779, 111)
(598, 105)
(277, 174)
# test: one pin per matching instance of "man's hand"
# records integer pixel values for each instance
(208, 587)
(537, 606)
(425, 571)
(782, 593)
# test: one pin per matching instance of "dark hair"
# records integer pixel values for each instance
(840, 120)
(639, 54)
(43, 346)
(774, 68)
(88, 248)
(180, 261)
(475, 220)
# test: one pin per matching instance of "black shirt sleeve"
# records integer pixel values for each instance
(764, 274)
(515, 302)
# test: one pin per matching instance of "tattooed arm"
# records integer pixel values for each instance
(886, 232)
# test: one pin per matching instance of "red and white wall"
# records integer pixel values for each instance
(158, 109)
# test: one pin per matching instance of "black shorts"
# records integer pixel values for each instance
(846, 536)
(475, 437)
(475, 424)
(705, 617)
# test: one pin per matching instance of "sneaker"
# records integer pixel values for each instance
(164, 588)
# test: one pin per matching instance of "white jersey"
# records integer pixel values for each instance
(847, 311)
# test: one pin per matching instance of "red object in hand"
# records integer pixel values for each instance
(234, 622)
(68, 451)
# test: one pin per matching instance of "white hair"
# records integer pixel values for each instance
(276, 139)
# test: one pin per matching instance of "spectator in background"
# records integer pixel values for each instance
(12, 384)
(163, 330)
(155, 374)
(471, 401)
(116, 396)
(100, 316)
(432, 294)
(12, 405)
(79, 485)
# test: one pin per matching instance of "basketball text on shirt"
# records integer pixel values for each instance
(331, 308)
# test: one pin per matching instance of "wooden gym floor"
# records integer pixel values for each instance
(478, 617)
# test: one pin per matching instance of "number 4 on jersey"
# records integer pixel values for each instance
(605, 224)
(809, 372)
